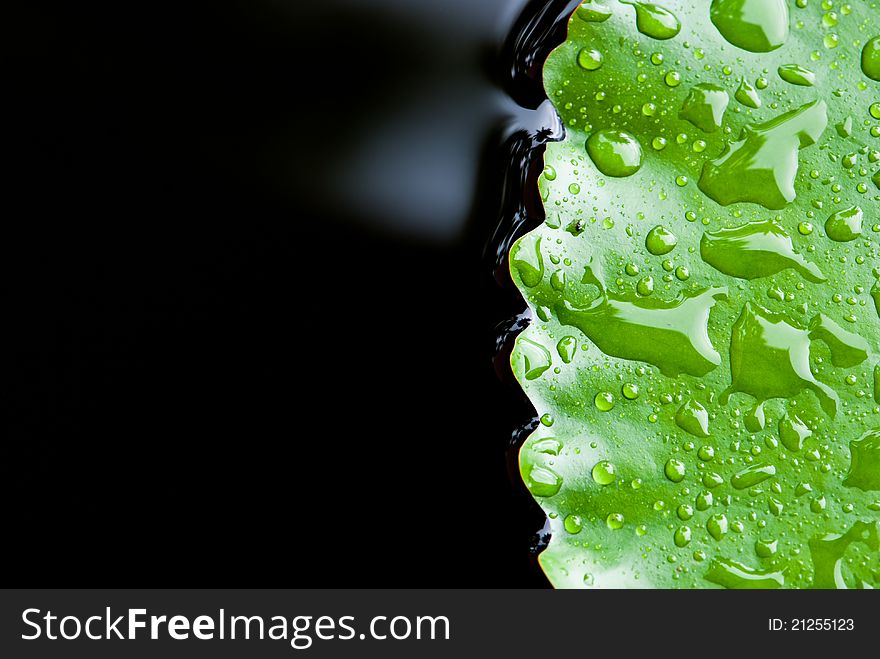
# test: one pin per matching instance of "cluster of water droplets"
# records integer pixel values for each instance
(710, 314)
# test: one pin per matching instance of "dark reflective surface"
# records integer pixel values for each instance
(251, 326)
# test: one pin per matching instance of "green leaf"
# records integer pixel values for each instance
(706, 346)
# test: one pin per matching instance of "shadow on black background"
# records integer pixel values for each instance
(230, 362)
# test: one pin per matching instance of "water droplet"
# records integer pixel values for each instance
(828, 550)
(614, 521)
(603, 473)
(682, 536)
(671, 335)
(761, 166)
(534, 357)
(754, 418)
(543, 482)
(655, 21)
(734, 575)
(864, 470)
(548, 445)
(660, 241)
(672, 79)
(793, 432)
(844, 128)
(604, 401)
(590, 59)
(592, 11)
(704, 107)
(615, 153)
(630, 391)
(573, 524)
(758, 26)
(871, 59)
(693, 418)
(684, 512)
(528, 262)
(754, 250)
(766, 548)
(795, 74)
(712, 479)
(717, 526)
(874, 110)
(844, 225)
(752, 475)
(770, 358)
(645, 286)
(706, 453)
(567, 348)
(704, 501)
(674, 470)
(747, 95)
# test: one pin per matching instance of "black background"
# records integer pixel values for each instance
(229, 360)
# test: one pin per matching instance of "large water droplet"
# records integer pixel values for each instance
(762, 165)
(674, 470)
(604, 473)
(543, 482)
(704, 500)
(844, 225)
(660, 241)
(734, 575)
(748, 95)
(682, 536)
(754, 250)
(847, 349)
(655, 21)
(827, 552)
(758, 26)
(566, 348)
(752, 475)
(614, 521)
(871, 59)
(766, 548)
(754, 419)
(535, 358)
(717, 526)
(573, 524)
(770, 358)
(590, 59)
(793, 432)
(864, 469)
(526, 258)
(795, 74)
(673, 335)
(615, 153)
(704, 107)
(693, 418)
(593, 12)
